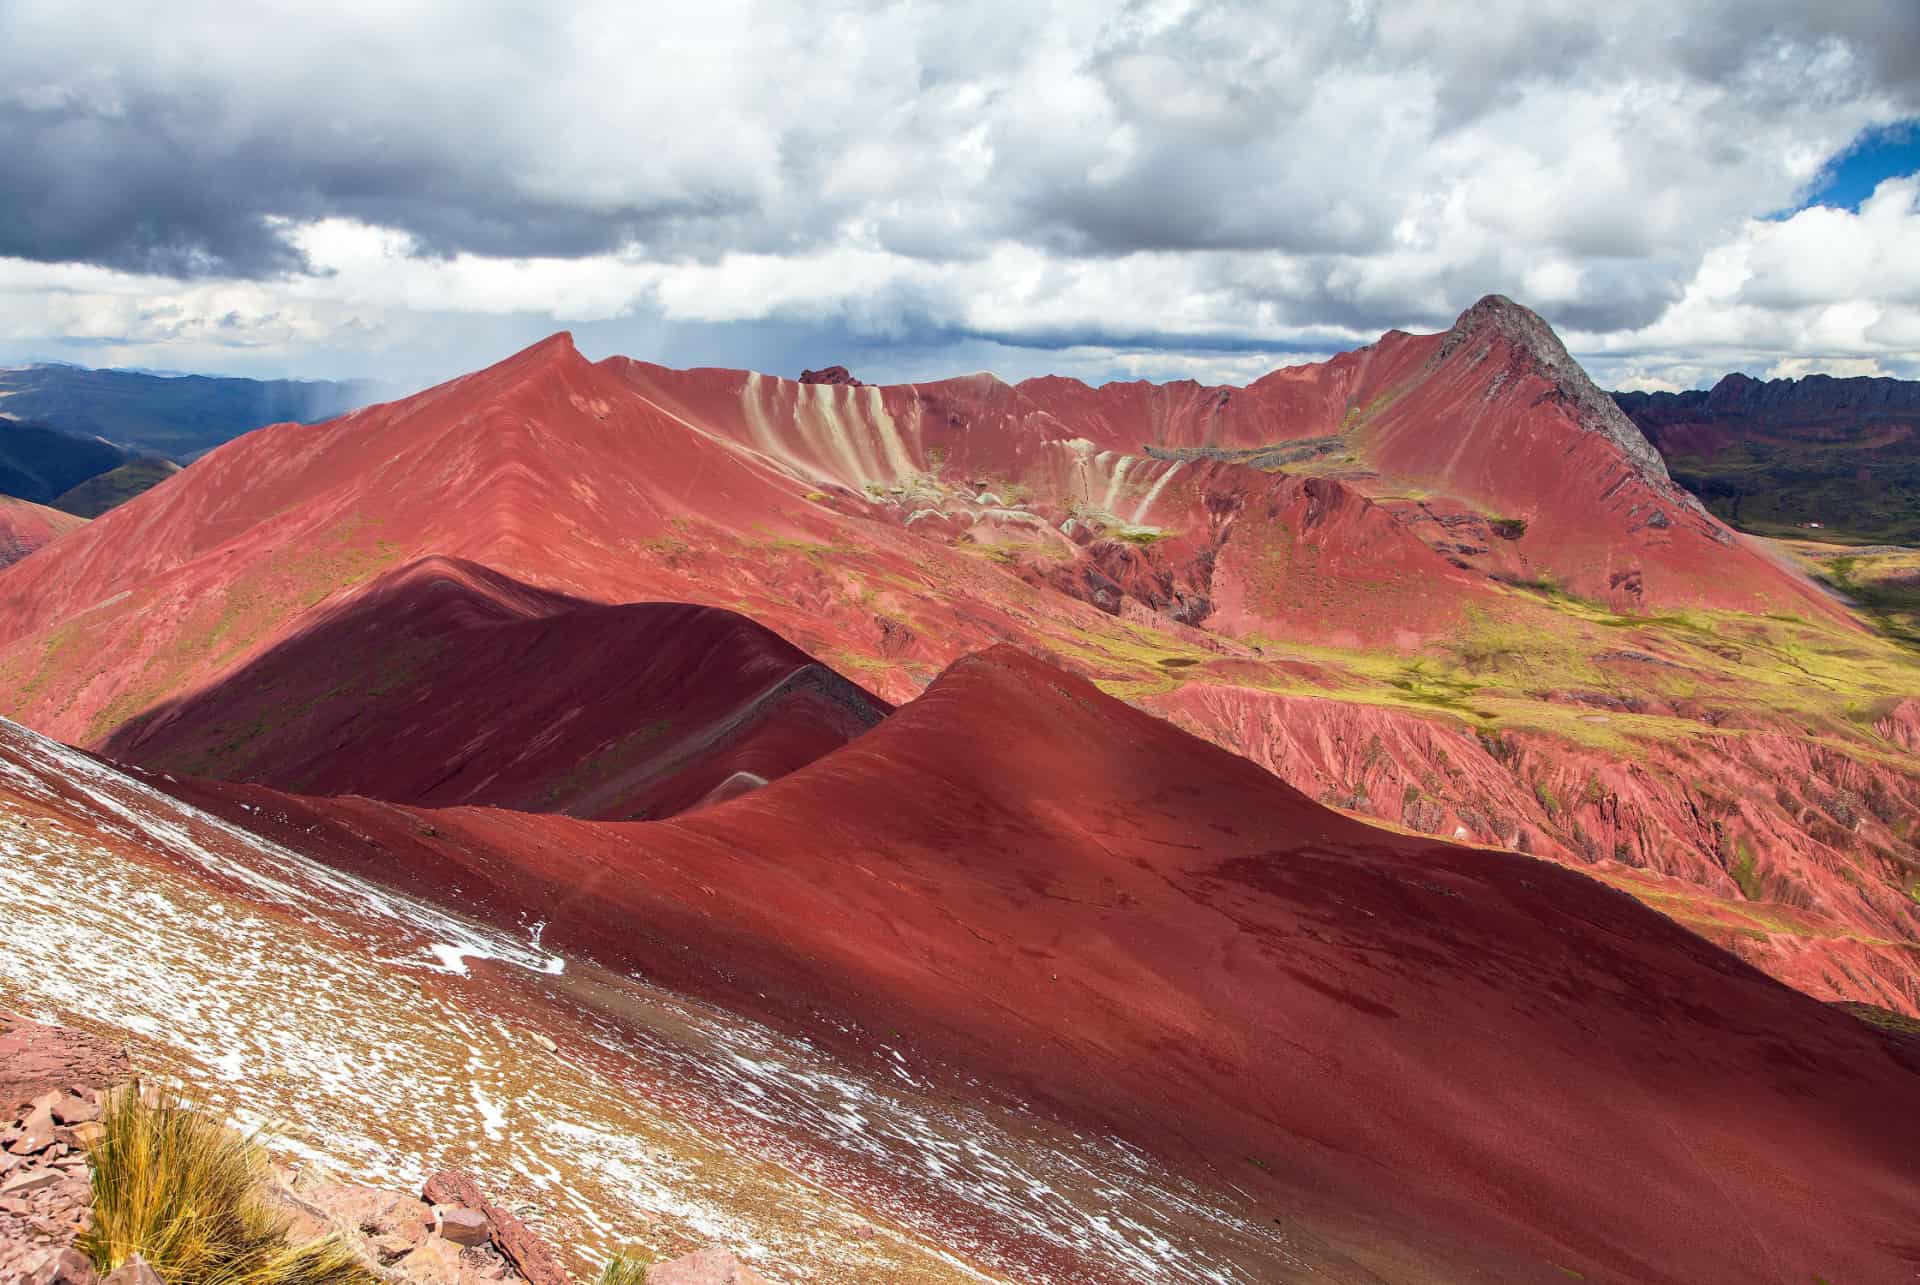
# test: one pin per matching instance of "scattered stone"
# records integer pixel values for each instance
(63, 1267)
(31, 1180)
(135, 1271)
(71, 1108)
(710, 1266)
(441, 1262)
(368, 1210)
(36, 1059)
(435, 1262)
(530, 1256)
(36, 1134)
(87, 1135)
(389, 1248)
(485, 1263)
(463, 1226)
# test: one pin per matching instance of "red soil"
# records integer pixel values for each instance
(1659, 822)
(26, 526)
(446, 683)
(1426, 1061)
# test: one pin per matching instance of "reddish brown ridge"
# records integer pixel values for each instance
(1416, 1054)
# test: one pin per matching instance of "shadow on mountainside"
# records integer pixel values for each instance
(445, 682)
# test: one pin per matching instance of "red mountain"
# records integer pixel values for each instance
(616, 591)
(591, 481)
(446, 683)
(1527, 468)
(26, 526)
(1420, 1061)
(610, 482)
(1350, 535)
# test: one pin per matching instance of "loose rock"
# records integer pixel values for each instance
(63, 1267)
(530, 1255)
(32, 1180)
(370, 1210)
(463, 1226)
(135, 1271)
(388, 1248)
(36, 1134)
(710, 1266)
(435, 1262)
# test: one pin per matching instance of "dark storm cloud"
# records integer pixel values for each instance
(159, 187)
(76, 187)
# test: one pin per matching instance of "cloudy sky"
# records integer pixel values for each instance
(411, 188)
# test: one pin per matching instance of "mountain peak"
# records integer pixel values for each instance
(1498, 318)
(559, 344)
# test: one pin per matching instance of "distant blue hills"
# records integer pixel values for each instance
(61, 425)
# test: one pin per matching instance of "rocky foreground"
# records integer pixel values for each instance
(55, 1086)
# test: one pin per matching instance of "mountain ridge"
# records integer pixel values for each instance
(1573, 667)
(1014, 833)
(1786, 457)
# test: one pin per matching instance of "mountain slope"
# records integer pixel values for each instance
(444, 683)
(1421, 1061)
(115, 487)
(1488, 440)
(25, 527)
(385, 1037)
(888, 531)
(552, 471)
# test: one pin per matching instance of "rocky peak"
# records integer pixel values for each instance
(830, 375)
(1527, 333)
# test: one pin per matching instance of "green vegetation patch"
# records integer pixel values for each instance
(1885, 585)
(115, 487)
(1857, 495)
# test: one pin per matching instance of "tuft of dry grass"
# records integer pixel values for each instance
(177, 1186)
(627, 1267)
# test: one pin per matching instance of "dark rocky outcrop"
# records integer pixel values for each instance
(831, 375)
(1529, 333)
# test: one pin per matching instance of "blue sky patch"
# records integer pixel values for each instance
(1886, 151)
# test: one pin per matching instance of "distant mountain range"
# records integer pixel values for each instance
(61, 426)
(173, 416)
(38, 462)
(1819, 457)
